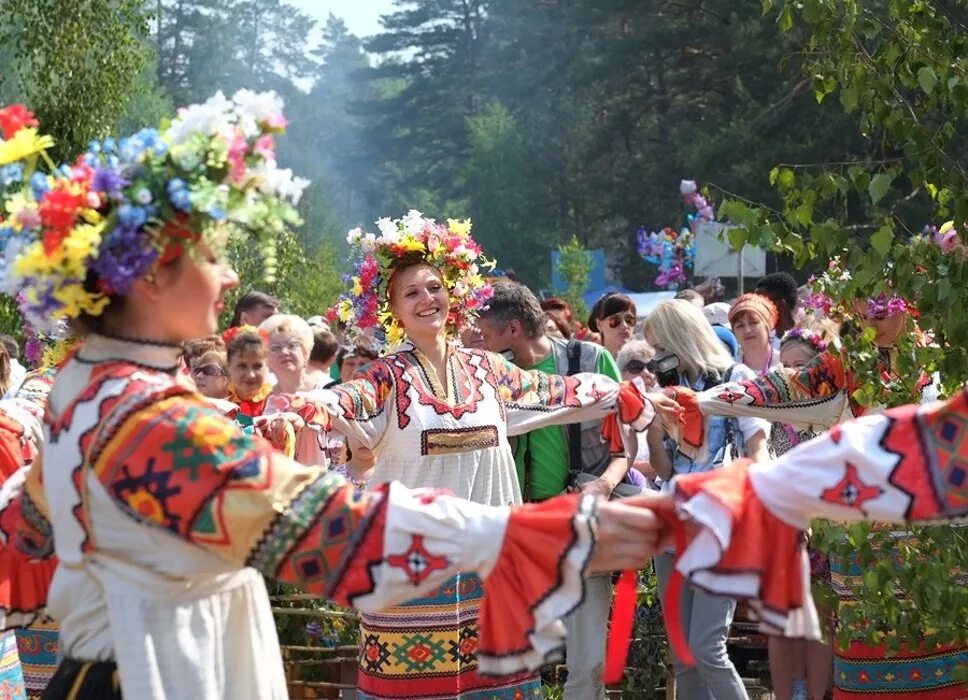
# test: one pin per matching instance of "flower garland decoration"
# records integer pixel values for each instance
(672, 251)
(76, 237)
(449, 248)
(833, 283)
(804, 336)
(229, 334)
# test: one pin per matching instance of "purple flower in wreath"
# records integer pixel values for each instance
(109, 181)
(125, 257)
(883, 306)
(314, 629)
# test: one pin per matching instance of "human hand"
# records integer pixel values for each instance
(272, 426)
(667, 409)
(597, 487)
(630, 533)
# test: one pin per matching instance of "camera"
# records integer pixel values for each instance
(665, 367)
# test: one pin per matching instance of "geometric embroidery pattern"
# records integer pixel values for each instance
(148, 494)
(464, 650)
(851, 491)
(419, 652)
(417, 562)
(292, 524)
(374, 654)
(950, 442)
(324, 539)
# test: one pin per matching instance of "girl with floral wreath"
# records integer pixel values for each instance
(163, 514)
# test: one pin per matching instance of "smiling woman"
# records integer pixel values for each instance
(439, 415)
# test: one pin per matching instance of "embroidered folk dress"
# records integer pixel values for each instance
(27, 656)
(818, 397)
(165, 516)
(448, 432)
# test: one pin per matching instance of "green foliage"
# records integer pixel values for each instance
(75, 63)
(649, 655)
(899, 69)
(11, 322)
(575, 268)
(307, 284)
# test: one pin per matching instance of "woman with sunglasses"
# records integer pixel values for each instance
(208, 366)
(613, 317)
(164, 515)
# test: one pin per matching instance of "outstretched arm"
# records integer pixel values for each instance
(742, 524)
(231, 495)
(813, 396)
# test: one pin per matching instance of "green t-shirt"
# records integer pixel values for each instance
(549, 446)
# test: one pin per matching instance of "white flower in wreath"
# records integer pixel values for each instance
(389, 233)
(413, 222)
(368, 243)
(255, 108)
(354, 236)
(209, 117)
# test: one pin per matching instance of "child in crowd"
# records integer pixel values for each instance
(799, 669)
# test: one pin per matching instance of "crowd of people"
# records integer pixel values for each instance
(462, 462)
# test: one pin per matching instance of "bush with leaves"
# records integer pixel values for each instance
(575, 269)
(901, 68)
(306, 284)
(76, 63)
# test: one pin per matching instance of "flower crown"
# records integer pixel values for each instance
(229, 334)
(805, 336)
(448, 248)
(76, 237)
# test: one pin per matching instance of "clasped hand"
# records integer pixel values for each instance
(632, 530)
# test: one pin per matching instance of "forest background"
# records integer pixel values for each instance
(823, 128)
(539, 120)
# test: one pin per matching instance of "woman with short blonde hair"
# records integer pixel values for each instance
(290, 343)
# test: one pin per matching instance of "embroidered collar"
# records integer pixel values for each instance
(100, 348)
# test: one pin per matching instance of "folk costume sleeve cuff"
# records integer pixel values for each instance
(538, 580)
(905, 465)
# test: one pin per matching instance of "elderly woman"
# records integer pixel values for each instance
(165, 516)
(290, 344)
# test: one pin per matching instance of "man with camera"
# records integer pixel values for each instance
(557, 458)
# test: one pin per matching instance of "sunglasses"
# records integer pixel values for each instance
(634, 366)
(208, 371)
(615, 319)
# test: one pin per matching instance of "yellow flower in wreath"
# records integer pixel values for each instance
(26, 142)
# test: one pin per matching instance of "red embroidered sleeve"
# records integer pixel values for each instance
(905, 465)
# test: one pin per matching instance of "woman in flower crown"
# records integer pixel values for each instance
(163, 514)
(439, 415)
